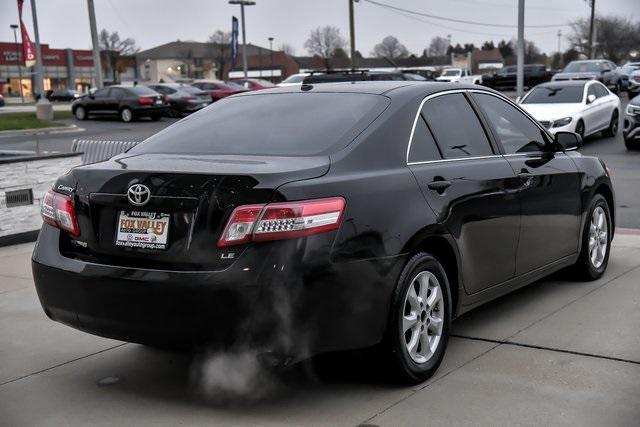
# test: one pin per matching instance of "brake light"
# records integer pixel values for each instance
(277, 221)
(145, 100)
(58, 211)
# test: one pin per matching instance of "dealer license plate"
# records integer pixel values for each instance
(147, 230)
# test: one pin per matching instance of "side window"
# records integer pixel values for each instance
(101, 93)
(117, 93)
(423, 147)
(514, 130)
(600, 90)
(456, 127)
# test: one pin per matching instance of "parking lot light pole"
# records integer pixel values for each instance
(271, 53)
(15, 27)
(352, 35)
(520, 54)
(97, 64)
(242, 4)
(44, 111)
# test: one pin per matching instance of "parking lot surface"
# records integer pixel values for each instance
(557, 352)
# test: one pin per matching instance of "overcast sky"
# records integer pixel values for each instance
(64, 23)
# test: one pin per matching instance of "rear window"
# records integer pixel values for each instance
(286, 124)
(555, 95)
(142, 91)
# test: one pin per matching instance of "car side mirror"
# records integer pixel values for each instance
(569, 141)
(591, 98)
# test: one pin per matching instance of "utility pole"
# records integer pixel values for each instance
(352, 35)
(559, 40)
(43, 106)
(242, 4)
(592, 31)
(520, 56)
(97, 64)
(15, 27)
(271, 53)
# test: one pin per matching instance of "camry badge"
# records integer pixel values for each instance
(139, 195)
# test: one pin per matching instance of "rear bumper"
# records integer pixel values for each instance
(270, 299)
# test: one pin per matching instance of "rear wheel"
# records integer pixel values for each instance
(419, 326)
(612, 130)
(596, 240)
(126, 115)
(80, 113)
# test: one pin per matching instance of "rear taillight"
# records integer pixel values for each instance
(57, 210)
(277, 221)
(145, 100)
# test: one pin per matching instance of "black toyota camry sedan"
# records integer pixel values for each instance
(302, 220)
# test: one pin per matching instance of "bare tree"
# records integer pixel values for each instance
(288, 49)
(114, 47)
(391, 48)
(438, 46)
(616, 37)
(221, 44)
(323, 41)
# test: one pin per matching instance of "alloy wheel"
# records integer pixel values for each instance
(126, 115)
(80, 113)
(598, 237)
(423, 316)
(614, 124)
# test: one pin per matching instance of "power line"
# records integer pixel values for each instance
(459, 21)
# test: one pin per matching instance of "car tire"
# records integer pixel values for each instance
(594, 255)
(614, 124)
(630, 145)
(418, 328)
(618, 88)
(126, 115)
(80, 112)
(580, 128)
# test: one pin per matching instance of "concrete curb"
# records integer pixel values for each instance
(41, 131)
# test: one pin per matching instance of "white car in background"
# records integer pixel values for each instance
(583, 107)
(459, 75)
(293, 80)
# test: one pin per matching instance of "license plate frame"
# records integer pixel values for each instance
(143, 230)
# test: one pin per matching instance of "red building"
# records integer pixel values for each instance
(63, 68)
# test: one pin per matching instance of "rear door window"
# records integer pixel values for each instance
(423, 146)
(600, 90)
(456, 127)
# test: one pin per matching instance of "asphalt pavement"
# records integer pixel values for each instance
(558, 352)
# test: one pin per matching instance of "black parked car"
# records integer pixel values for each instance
(373, 215)
(126, 102)
(182, 98)
(62, 95)
(602, 70)
(631, 130)
(506, 77)
(335, 76)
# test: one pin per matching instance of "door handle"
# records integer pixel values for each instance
(525, 175)
(439, 186)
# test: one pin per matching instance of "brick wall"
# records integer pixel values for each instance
(38, 175)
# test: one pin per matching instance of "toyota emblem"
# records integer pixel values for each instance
(139, 195)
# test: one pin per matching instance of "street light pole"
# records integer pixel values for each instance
(97, 64)
(39, 70)
(242, 4)
(15, 27)
(520, 55)
(271, 54)
(352, 34)
(592, 31)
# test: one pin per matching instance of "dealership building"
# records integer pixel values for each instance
(63, 68)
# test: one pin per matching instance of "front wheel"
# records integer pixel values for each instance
(580, 129)
(418, 329)
(596, 240)
(126, 115)
(80, 113)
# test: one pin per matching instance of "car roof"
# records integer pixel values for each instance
(579, 83)
(385, 87)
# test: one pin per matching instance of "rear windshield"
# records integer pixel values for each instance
(555, 95)
(583, 67)
(285, 124)
(142, 90)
